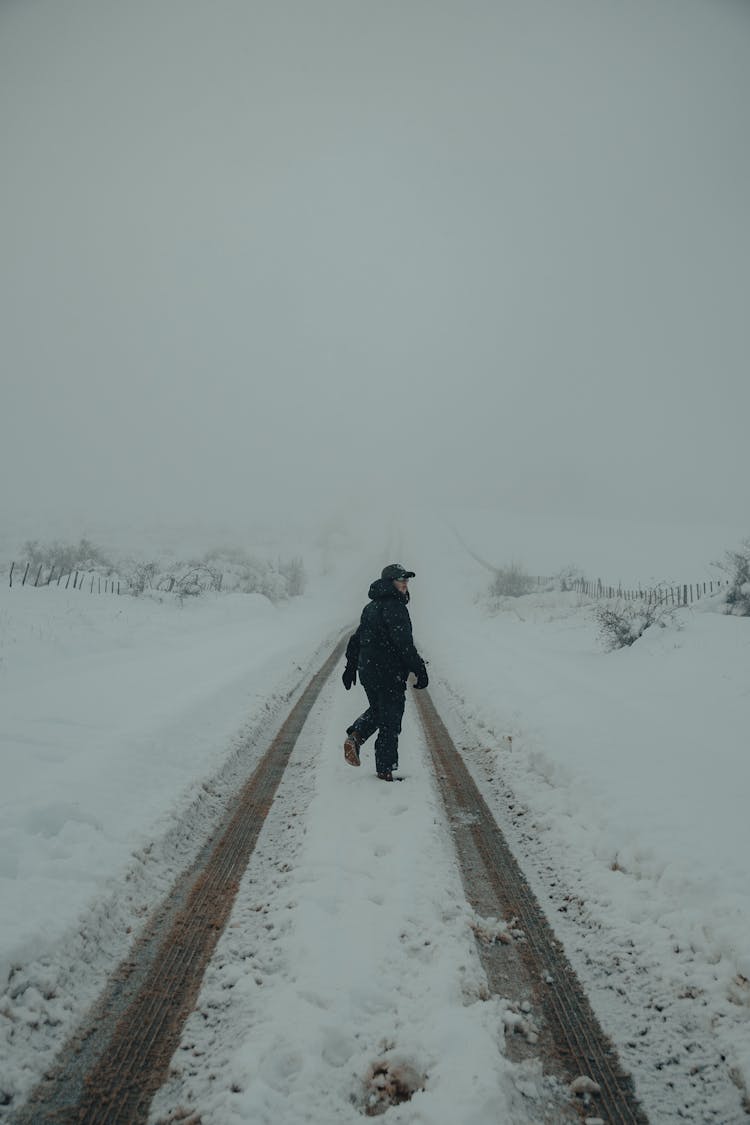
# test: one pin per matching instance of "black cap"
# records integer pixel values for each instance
(396, 570)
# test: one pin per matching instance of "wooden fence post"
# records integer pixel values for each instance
(11, 572)
(23, 583)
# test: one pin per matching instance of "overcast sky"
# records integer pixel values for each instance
(312, 252)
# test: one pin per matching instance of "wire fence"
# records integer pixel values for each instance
(684, 593)
(91, 581)
(681, 594)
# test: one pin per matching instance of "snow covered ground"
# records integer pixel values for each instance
(621, 778)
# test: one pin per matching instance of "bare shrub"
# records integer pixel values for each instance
(736, 564)
(245, 573)
(141, 577)
(511, 582)
(184, 580)
(622, 623)
(567, 578)
(249, 574)
(67, 557)
(195, 581)
(293, 570)
(226, 570)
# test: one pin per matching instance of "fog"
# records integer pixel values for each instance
(319, 254)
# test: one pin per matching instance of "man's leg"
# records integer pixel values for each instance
(369, 721)
(361, 729)
(391, 701)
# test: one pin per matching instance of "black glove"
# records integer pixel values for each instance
(350, 676)
(422, 678)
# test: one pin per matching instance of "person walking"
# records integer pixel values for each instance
(382, 652)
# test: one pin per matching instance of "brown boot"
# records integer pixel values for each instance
(351, 748)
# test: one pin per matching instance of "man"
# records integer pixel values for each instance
(382, 651)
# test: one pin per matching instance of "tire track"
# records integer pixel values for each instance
(571, 1040)
(108, 1074)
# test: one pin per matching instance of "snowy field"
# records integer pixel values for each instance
(620, 778)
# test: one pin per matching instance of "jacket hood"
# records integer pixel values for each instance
(384, 588)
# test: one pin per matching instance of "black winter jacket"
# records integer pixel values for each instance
(382, 645)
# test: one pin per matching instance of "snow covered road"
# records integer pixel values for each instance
(351, 956)
(349, 972)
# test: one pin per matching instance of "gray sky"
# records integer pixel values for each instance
(313, 252)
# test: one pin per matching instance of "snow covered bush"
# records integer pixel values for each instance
(294, 573)
(195, 580)
(249, 574)
(184, 580)
(511, 582)
(67, 557)
(567, 578)
(245, 573)
(622, 623)
(222, 570)
(737, 566)
(141, 577)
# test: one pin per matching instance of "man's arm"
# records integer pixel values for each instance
(398, 626)
(352, 649)
(349, 676)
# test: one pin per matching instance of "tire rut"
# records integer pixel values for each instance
(109, 1072)
(571, 1041)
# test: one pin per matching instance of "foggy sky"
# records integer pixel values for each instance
(320, 252)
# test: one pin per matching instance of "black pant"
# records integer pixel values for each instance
(386, 696)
